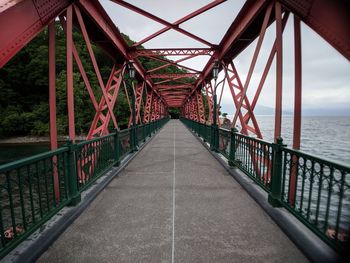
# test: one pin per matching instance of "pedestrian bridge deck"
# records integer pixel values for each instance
(173, 203)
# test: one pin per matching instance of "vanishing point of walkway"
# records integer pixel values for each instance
(173, 203)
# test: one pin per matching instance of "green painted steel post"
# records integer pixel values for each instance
(134, 127)
(276, 180)
(203, 132)
(116, 148)
(232, 156)
(74, 194)
(144, 132)
(136, 139)
(214, 131)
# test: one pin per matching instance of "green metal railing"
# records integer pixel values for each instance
(224, 142)
(317, 192)
(34, 189)
(93, 158)
(314, 190)
(254, 157)
(201, 129)
(28, 197)
(124, 144)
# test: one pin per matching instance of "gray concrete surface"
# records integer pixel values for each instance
(173, 203)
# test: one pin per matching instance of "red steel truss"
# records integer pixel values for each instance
(138, 95)
(172, 75)
(199, 102)
(173, 52)
(330, 19)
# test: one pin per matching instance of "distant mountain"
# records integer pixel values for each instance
(264, 110)
(327, 112)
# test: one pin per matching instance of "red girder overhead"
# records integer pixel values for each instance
(173, 87)
(169, 63)
(173, 52)
(172, 75)
(100, 17)
(21, 21)
(138, 95)
(201, 110)
(329, 18)
(148, 106)
(168, 26)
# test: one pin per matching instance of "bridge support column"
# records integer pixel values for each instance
(233, 146)
(276, 180)
(133, 131)
(74, 194)
(69, 58)
(52, 105)
(116, 148)
(214, 126)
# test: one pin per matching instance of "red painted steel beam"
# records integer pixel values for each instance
(279, 73)
(173, 52)
(161, 21)
(247, 23)
(182, 20)
(69, 77)
(174, 63)
(162, 87)
(167, 93)
(172, 75)
(329, 18)
(174, 97)
(52, 105)
(95, 11)
(52, 86)
(102, 23)
(21, 21)
(297, 84)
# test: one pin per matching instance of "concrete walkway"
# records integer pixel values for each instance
(173, 203)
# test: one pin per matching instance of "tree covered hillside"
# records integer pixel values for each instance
(24, 108)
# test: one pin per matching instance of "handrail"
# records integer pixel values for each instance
(34, 189)
(316, 191)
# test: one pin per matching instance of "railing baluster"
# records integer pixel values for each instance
(46, 185)
(306, 204)
(341, 192)
(20, 186)
(12, 212)
(310, 190)
(39, 190)
(319, 194)
(31, 193)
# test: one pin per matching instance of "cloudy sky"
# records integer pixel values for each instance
(326, 74)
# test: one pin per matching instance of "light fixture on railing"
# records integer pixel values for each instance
(131, 69)
(216, 68)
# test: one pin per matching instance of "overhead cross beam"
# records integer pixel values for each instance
(172, 75)
(104, 24)
(165, 87)
(328, 18)
(168, 26)
(173, 52)
(172, 63)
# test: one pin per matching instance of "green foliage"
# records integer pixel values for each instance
(24, 92)
(174, 113)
